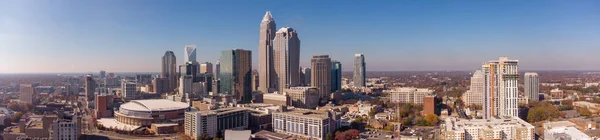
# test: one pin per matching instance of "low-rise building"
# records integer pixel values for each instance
(565, 133)
(409, 95)
(276, 99)
(303, 97)
(495, 128)
(593, 107)
(308, 124)
(556, 93)
(211, 122)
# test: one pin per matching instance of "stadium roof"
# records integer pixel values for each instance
(154, 105)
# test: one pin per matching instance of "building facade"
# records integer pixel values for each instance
(501, 91)
(276, 99)
(266, 67)
(336, 76)
(27, 93)
(474, 96)
(359, 77)
(307, 124)
(532, 86)
(509, 128)
(409, 95)
(236, 74)
(303, 97)
(185, 84)
(169, 71)
(206, 67)
(128, 89)
(104, 106)
(321, 75)
(286, 58)
(211, 122)
(189, 53)
(160, 85)
(90, 87)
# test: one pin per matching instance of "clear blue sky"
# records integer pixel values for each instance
(132, 35)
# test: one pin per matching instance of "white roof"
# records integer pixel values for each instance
(237, 134)
(113, 123)
(570, 131)
(154, 105)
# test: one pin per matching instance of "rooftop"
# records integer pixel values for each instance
(270, 135)
(454, 124)
(571, 132)
(154, 105)
(306, 113)
(550, 125)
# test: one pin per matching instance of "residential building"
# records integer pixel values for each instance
(409, 95)
(359, 71)
(190, 53)
(206, 67)
(286, 58)
(429, 105)
(236, 74)
(474, 96)
(321, 75)
(531, 86)
(336, 76)
(169, 71)
(104, 106)
(501, 83)
(128, 89)
(506, 127)
(90, 87)
(212, 122)
(303, 97)
(305, 123)
(266, 67)
(27, 93)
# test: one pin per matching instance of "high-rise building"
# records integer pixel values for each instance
(185, 84)
(104, 106)
(359, 71)
(190, 53)
(160, 85)
(206, 67)
(90, 87)
(532, 86)
(169, 70)
(236, 74)
(501, 93)
(255, 80)
(128, 89)
(336, 76)
(303, 97)
(474, 96)
(306, 73)
(102, 74)
(321, 75)
(286, 58)
(429, 105)
(143, 78)
(27, 93)
(217, 70)
(266, 67)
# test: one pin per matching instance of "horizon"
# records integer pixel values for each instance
(125, 36)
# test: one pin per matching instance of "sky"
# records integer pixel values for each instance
(400, 35)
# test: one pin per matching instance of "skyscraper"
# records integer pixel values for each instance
(532, 86)
(169, 70)
(286, 57)
(90, 87)
(359, 71)
(306, 72)
(501, 93)
(236, 74)
(321, 75)
(102, 74)
(336, 76)
(217, 70)
(206, 67)
(474, 96)
(255, 80)
(190, 53)
(266, 69)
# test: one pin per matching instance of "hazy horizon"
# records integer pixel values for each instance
(129, 36)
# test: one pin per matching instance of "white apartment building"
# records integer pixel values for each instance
(308, 124)
(409, 95)
(128, 89)
(506, 128)
(65, 129)
(501, 88)
(200, 122)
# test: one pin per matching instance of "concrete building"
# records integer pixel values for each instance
(104, 106)
(501, 96)
(359, 71)
(185, 84)
(306, 76)
(509, 128)
(304, 123)
(429, 105)
(212, 122)
(286, 58)
(161, 85)
(474, 96)
(409, 95)
(557, 93)
(303, 97)
(189, 53)
(336, 76)
(30, 126)
(236, 74)
(216, 72)
(66, 127)
(27, 93)
(169, 71)
(276, 99)
(128, 90)
(143, 79)
(266, 67)
(565, 133)
(532, 86)
(90, 87)
(321, 75)
(255, 80)
(206, 67)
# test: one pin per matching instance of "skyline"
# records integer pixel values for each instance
(116, 36)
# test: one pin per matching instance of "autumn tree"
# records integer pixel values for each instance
(16, 117)
(543, 111)
(431, 119)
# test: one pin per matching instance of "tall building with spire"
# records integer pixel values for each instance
(501, 91)
(169, 70)
(190, 53)
(266, 67)
(286, 58)
(359, 71)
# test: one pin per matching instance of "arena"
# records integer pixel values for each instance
(146, 112)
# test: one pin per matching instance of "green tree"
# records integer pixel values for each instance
(583, 111)
(541, 112)
(372, 112)
(431, 119)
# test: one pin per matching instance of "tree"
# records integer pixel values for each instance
(541, 112)
(583, 111)
(182, 136)
(431, 119)
(389, 127)
(16, 117)
(14, 106)
(329, 136)
(372, 112)
(348, 135)
(203, 136)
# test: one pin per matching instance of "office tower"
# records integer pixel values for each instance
(90, 87)
(169, 70)
(236, 74)
(286, 58)
(185, 84)
(532, 86)
(190, 53)
(307, 75)
(160, 85)
(255, 80)
(501, 96)
(27, 93)
(102, 74)
(336, 76)
(217, 70)
(303, 97)
(205, 78)
(321, 75)
(359, 71)
(474, 96)
(143, 78)
(266, 69)
(190, 68)
(206, 67)
(128, 89)
(104, 106)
